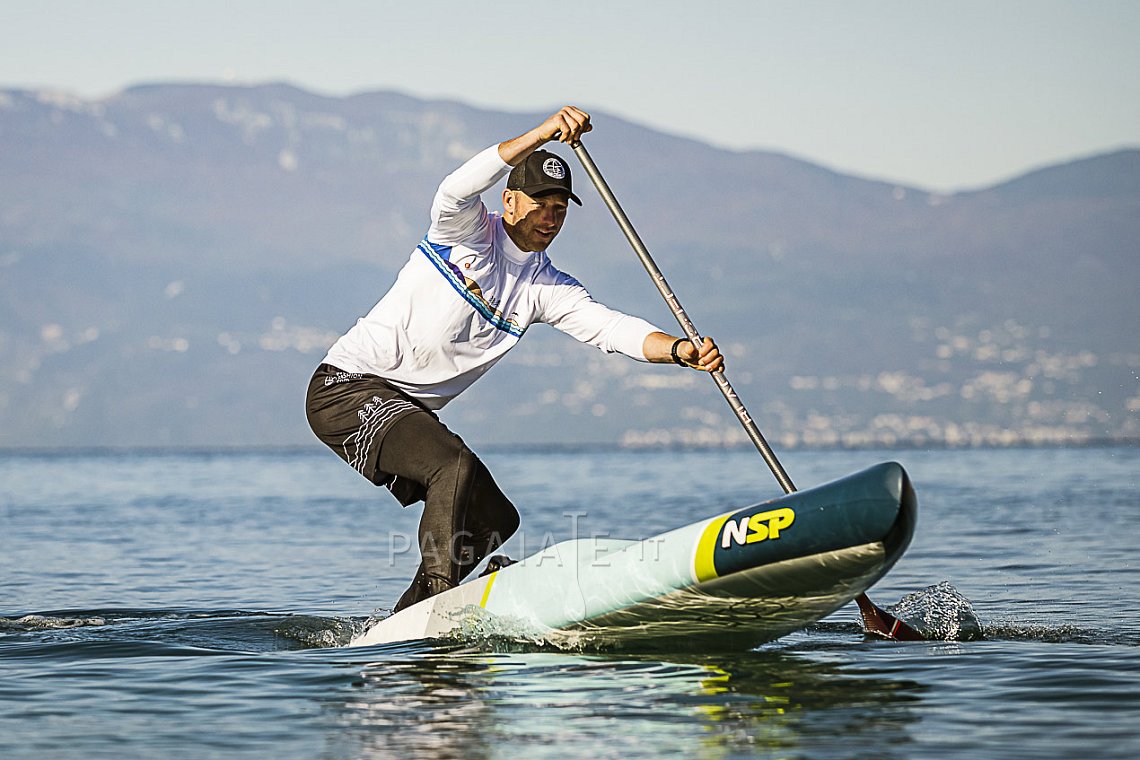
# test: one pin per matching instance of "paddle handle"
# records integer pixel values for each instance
(687, 326)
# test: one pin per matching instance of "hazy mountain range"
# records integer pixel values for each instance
(175, 259)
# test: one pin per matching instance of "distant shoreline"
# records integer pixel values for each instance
(540, 448)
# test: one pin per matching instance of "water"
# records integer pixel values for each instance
(191, 606)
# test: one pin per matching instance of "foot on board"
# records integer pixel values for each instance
(497, 563)
(423, 586)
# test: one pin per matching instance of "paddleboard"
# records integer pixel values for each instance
(732, 581)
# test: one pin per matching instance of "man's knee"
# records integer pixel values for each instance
(488, 505)
(508, 521)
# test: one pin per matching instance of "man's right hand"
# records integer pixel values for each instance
(570, 123)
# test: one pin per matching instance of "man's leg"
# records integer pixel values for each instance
(465, 517)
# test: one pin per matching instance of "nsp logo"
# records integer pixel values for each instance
(752, 529)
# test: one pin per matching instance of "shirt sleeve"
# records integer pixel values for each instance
(569, 307)
(457, 211)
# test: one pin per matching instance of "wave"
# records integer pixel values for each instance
(121, 633)
(148, 632)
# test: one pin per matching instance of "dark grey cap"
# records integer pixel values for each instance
(542, 172)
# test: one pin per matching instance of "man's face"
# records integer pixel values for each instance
(533, 223)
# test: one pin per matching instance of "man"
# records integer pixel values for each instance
(467, 294)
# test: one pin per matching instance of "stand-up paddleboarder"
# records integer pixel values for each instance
(469, 291)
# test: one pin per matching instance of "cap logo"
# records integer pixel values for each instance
(552, 167)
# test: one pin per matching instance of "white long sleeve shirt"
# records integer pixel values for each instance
(467, 295)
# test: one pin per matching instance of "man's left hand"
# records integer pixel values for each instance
(706, 359)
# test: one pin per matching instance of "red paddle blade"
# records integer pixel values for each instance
(882, 623)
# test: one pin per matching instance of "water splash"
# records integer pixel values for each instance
(319, 632)
(940, 613)
(481, 628)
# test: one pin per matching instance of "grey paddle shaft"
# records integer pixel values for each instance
(683, 318)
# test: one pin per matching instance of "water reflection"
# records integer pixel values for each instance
(454, 702)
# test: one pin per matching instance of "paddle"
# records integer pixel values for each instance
(875, 620)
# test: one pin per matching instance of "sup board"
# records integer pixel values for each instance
(732, 581)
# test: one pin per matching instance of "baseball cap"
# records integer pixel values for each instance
(542, 172)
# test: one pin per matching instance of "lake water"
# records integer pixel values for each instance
(190, 605)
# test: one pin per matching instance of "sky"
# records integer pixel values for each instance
(942, 96)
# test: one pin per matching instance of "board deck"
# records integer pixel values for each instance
(731, 581)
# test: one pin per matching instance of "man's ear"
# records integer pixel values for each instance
(510, 200)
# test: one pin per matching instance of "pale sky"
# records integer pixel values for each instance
(942, 95)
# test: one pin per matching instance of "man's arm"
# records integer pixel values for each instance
(566, 305)
(658, 348)
(570, 121)
(457, 213)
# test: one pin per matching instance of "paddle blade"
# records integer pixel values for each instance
(882, 623)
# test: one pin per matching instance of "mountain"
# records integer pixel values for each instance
(175, 259)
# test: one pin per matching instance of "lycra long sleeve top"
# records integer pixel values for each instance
(466, 296)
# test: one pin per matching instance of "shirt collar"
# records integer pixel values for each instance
(508, 247)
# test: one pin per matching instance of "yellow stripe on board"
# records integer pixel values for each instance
(487, 589)
(703, 567)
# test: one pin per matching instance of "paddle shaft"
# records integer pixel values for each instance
(874, 618)
(682, 318)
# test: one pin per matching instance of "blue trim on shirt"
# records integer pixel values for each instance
(439, 256)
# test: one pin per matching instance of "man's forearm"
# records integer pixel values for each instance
(513, 151)
(657, 347)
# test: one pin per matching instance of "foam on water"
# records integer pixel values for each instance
(47, 622)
